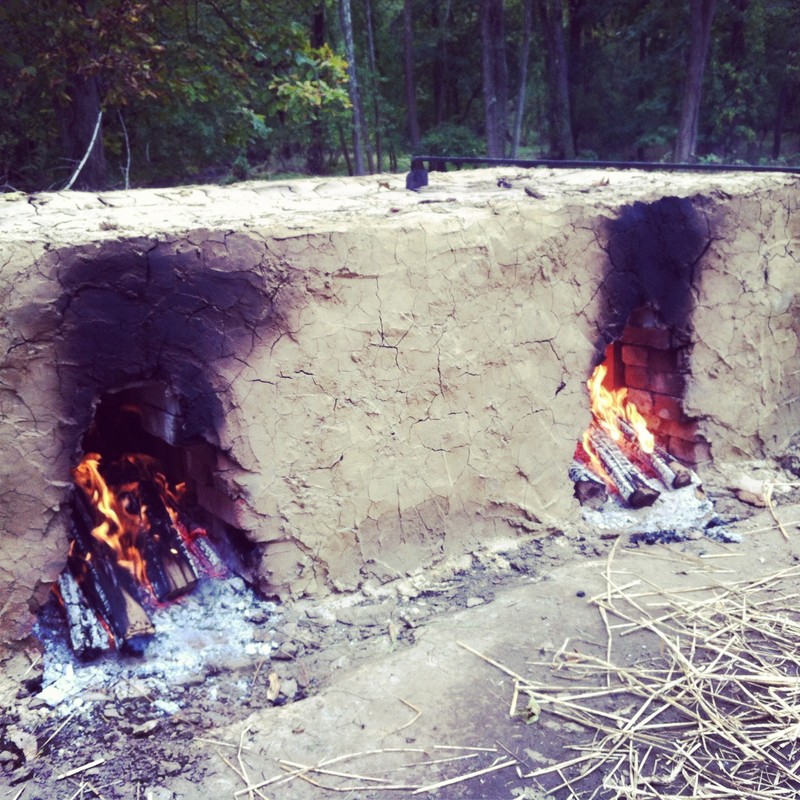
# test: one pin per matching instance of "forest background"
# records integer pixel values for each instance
(175, 91)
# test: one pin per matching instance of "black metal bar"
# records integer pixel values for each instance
(417, 177)
(434, 161)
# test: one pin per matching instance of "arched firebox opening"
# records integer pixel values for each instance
(149, 339)
(641, 441)
(139, 535)
(148, 419)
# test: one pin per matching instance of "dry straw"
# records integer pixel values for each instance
(715, 714)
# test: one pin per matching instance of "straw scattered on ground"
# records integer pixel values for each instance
(715, 714)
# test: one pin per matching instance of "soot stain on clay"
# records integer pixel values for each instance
(131, 314)
(653, 253)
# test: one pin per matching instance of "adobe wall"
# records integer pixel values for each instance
(389, 378)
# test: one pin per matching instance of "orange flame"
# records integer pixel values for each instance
(123, 518)
(611, 406)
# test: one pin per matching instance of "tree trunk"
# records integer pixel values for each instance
(77, 121)
(359, 138)
(780, 114)
(495, 76)
(344, 148)
(315, 158)
(701, 16)
(373, 84)
(523, 76)
(558, 68)
(440, 18)
(411, 87)
(80, 124)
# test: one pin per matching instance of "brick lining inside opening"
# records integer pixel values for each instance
(654, 361)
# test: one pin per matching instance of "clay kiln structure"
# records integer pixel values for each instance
(364, 382)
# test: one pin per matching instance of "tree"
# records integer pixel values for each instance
(558, 69)
(519, 114)
(701, 14)
(372, 61)
(408, 75)
(206, 90)
(359, 127)
(79, 58)
(495, 76)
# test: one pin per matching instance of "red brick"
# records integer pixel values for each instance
(635, 356)
(691, 453)
(642, 400)
(677, 428)
(671, 383)
(668, 408)
(657, 338)
(664, 360)
(639, 378)
(658, 382)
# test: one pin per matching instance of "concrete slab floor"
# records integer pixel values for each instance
(437, 699)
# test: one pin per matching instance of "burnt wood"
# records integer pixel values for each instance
(672, 473)
(168, 568)
(204, 557)
(109, 587)
(87, 636)
(168, 565)
(589, 489)
(628, 480)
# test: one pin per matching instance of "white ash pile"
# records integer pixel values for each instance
(221, 626)
(628, 484)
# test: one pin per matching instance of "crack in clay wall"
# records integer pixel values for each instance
(384, 392)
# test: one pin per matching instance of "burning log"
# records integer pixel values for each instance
(202, 554)
(87, 636)
(140, 523)
(671, 472)
(168, 566)
(628, 480)
(108, 586)
(589, 489)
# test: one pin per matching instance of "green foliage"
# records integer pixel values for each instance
(449, 139)
(315, 86)
(231, 89)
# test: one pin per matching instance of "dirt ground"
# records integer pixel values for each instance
(403, 693)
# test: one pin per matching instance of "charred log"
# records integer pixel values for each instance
(168, 566)
(108, 586)
(201, 552)
(589, 489)
(87, 636)
(671, 471)
(628, 480)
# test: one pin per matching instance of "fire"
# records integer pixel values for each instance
(611, 410)
(118, 527)
(122, 515)
(131, 548)
(620, 450)
(618, 418)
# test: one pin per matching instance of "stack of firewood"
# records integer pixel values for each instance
(105, 604)
(626, 467)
